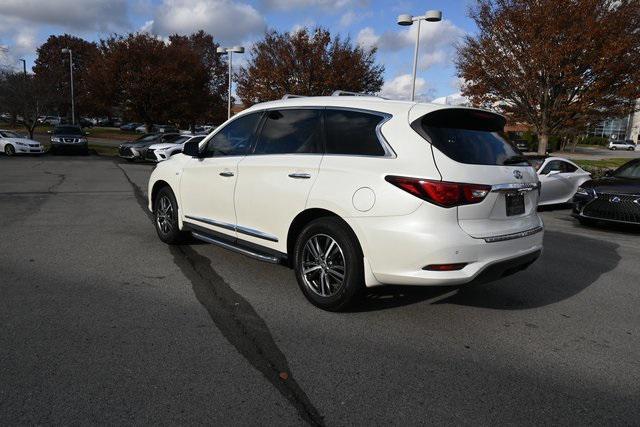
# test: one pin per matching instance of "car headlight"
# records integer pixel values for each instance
(55, 139)
(583, 191)
(82, 140)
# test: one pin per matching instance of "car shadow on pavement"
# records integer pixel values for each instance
(569, 264)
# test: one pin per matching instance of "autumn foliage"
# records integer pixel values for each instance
(306, 62)
(556, 65)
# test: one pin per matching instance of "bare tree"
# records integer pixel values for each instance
(25, 96)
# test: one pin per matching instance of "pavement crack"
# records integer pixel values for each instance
(238, 321)
(61, 178)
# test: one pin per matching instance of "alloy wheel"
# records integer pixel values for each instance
(9, 150)
(164, 215)
(323, 265)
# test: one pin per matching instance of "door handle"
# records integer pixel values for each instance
(299, 175)
(226, 174)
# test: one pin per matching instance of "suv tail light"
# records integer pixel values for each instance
(441, 193)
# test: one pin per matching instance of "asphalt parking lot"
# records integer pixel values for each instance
(102, 323)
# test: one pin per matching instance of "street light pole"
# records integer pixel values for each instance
(24, 66)
(229, 51)
(406, 20)
(73, 111)
(415, 63)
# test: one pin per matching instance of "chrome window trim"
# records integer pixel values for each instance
(520, 187)
(389, 153)
(512, 236)
(234, 227)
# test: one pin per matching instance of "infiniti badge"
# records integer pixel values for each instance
(517, 174)
(615, 199)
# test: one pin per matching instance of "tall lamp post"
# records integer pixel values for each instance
(406, 20)
(24, 66)
(73, 110)
(229, 51)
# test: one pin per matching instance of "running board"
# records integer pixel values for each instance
(255, 255)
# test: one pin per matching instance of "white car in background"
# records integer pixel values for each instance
(161, 152)
(357, 191)
(13, 143)
(559, 179)
(622, 145)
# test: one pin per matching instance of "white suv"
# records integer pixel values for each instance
(353, 192)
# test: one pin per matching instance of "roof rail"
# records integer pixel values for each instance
(290, 95)
(347, 93)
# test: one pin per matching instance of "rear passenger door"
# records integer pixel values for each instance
(274, 180)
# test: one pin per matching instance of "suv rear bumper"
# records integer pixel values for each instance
(398, 249)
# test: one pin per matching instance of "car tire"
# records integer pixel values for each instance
(329, 248)
(613, 148)
(631, 149)
(165, 217)
(9, 150)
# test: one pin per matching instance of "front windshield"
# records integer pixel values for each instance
(180, 140)
(8, 134)
(67, 130)
(147, 137)
(629, 170)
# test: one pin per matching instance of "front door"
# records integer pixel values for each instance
(207, 184)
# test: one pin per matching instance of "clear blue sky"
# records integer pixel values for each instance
(25, 24)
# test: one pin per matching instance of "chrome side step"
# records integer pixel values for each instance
(234, 248)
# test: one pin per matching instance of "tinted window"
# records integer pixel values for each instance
(560, 166)
(352, 132)
(568, 167)
(469, 136)
(67, 130)
(234, 139)
(629, 170)
(8, 134)
(290, 131)
(554, 165)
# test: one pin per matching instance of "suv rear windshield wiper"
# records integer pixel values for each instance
(515, 160)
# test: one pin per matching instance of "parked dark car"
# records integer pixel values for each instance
(130, 127)
(85, 123)
(135, 150)
(69, 137)
(614, 198)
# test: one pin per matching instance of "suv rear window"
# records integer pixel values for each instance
(469, 136)
(352, 132)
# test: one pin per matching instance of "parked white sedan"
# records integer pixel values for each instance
(13, 143)
(560, 178)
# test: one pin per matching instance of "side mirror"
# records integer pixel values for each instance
(87, 133)
(191, 148)
(608, 172)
